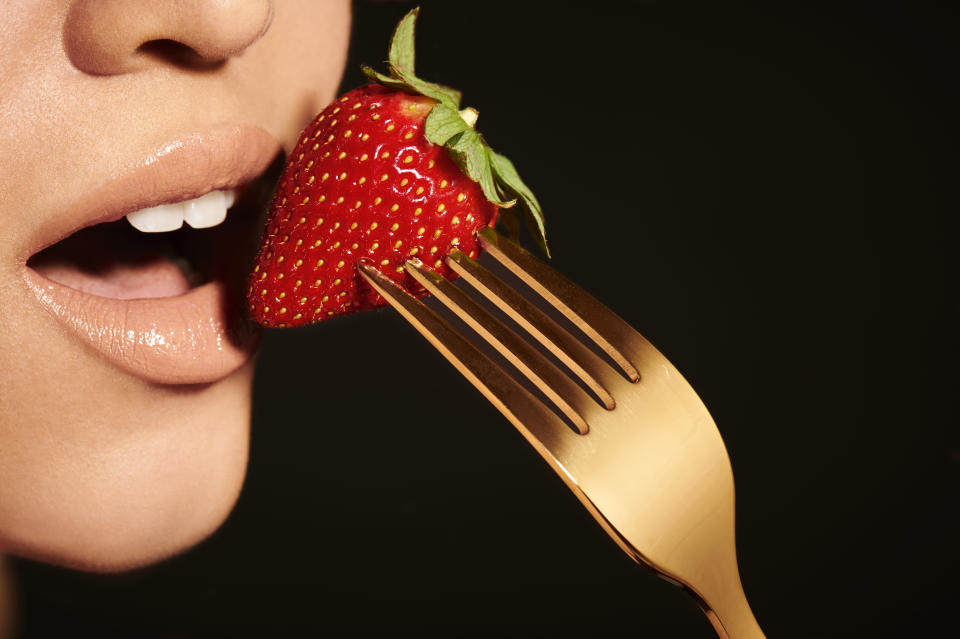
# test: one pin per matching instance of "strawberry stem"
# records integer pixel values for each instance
(469, 116)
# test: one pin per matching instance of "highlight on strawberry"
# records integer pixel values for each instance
(387, 172)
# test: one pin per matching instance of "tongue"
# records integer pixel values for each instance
(147, 277)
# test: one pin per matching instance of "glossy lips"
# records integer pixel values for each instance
(190, 335)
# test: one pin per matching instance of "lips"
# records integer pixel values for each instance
(165, 307)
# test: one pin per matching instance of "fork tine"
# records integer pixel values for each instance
(577, 357)
(554, 383)
(598, 322)
(538, 424)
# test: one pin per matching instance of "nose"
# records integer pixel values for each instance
(110, 37)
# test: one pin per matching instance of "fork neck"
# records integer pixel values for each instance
(730, 613)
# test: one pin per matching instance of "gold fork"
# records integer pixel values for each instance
(626, 433)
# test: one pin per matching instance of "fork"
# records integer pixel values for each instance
(620, 426)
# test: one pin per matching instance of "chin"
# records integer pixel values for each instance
(164, 483)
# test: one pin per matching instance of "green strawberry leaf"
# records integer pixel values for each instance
(443, 123)
(443, 95)
(401, 44)
(508, 219)
(401, 63)
(409, 83)
(468, 150)
(385, 80)
(509, 181)
(496, 174)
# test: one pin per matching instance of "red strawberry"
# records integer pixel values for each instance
(388, 171)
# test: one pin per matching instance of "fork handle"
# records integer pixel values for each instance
(730, 613)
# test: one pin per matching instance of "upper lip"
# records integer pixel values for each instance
(179, 170)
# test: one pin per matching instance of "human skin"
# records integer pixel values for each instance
(115, 456)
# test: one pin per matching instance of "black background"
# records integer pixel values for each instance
(767, 192)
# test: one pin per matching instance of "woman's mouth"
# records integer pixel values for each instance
(149, 253)
(158, 289)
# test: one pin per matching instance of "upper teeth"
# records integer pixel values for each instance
(201, 212)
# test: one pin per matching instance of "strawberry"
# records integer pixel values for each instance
(387, 172)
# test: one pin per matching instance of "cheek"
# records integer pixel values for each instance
(115, 478)
(296, 68)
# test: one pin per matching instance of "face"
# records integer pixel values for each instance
(125, 358)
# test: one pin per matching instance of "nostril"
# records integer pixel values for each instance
(178, 54)
(126, 36)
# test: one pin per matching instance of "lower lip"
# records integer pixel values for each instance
(197, 337)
